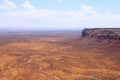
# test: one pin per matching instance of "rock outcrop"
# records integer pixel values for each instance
(102, 33)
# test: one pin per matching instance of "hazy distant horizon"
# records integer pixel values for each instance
(45, 29)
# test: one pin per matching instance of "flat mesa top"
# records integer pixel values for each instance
(104, 33)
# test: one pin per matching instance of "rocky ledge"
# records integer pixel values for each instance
(102, 33)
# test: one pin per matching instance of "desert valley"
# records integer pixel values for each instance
(58, 55)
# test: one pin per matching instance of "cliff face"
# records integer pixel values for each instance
(102, 33)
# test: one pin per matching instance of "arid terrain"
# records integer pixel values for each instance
(58, 55)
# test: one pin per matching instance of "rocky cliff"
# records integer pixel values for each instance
(102, 33)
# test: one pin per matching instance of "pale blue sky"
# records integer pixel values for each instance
(59, 14)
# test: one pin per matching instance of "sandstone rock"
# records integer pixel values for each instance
(102, 33)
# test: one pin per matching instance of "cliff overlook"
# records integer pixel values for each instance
(102, 33)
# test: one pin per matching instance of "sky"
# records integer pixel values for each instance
(59, 14)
